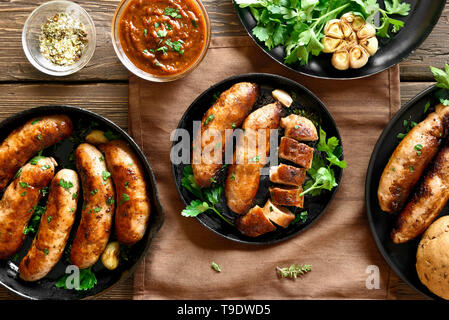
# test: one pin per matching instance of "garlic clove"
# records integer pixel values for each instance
(333, 29)
(358, 57)
(348, 17)
(355, 21)
(283, 97)
(330, 44)
(340, 60)
(371, 45)
(368, 31)
(346, 29)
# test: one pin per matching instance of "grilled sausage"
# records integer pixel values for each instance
(27, 140)
(98, 208)
(288, 175)
(299, 128)
(427, 201)
(54, 229)
(296, 152)
(243, 177)
(16, 205)
(254, 223)
(410, 158)
(287, 196)
(228, 112)
(133, 205)
(279, 215)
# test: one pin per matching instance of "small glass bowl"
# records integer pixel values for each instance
(32, 30)
(145, 75)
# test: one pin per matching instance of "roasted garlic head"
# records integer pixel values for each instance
(351, 40)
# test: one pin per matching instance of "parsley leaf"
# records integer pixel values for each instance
(88, 280)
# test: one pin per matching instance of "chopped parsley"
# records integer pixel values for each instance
(162, 33)
(172, 12)
(36, 159)
(209, 119)
(418, 149)
(125, 198)
(65, 184)
(23, 194)
(110, 201)
(23, 184)
(94, 192)
(97, 209)
(255, 159)
(49, 218)
(106, 175)
(195, 24)
(35, 121)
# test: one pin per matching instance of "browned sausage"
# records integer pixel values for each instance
(287, 196)
(299, 128)
(289, 175)
(54, 229)
(133, 205)
(296, 152)
(98, 208)
(427, 201)
(228, 112)
(27, 140)
(410, 158)
(243, 178)
(16, 205)
(254, 223)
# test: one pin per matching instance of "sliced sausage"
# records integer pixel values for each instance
(288, 175)
(299, 128)
(296, 152)
(254, 223)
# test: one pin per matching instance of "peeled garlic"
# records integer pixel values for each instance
(331, 44)
(283, 97)
(358, 57)
(355, 21)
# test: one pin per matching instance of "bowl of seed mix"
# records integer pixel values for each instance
(59, 38)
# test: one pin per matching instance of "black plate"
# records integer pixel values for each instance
(45, 288)
(401, 257)
(419, 23)
(308, 101)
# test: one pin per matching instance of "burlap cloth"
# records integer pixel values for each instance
(339, 246)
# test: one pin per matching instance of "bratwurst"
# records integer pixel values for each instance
(54, 229)
(410, 158)
(228, 112)
(427, 201)
(19, 200)
(133, 203)
(98, 208)
(243, 177)
(27, 140)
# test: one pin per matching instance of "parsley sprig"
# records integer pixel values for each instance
(207, 198)
(294, 271)
(299, 25)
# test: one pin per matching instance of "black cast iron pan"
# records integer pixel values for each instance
(305, 100)
(419, 23)
(83, 121)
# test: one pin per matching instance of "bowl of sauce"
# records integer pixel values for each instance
(161, 40)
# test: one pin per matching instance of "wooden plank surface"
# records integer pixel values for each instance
(104, 81)
(105, 65)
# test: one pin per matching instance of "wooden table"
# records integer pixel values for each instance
(102, 86)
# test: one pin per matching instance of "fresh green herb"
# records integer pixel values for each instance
(45, 167)
(101, 158)
(33, 224)
(330, 148)
(168, 26)
(232, 177)
(49, 219)
(145, 32)
(88, 280)
(35, 121)
(111, 135)
(234, 126)
(126, 184)
(300, 217)
(299, 25)
(208, 198)
(75, 195)
(411, 168)
(156, 25)
(426, 107)
(71, 209)
(18, 173)
(158, 64)
(418, 149)
(255, 159)
(209, 119)
(45, 251)
(65, 184)
(43, 191)
(36, 159)
(323, 179)
(110, 201)
(162, 33)
(213, 180)
(97, 209)
(195, 24)
(125, 198)
(23, 194)
(39, 136)
(294, 271)
(408, 125)
(94, 192)
(163, 49)
(215, 266)
(23, 184)
(172, 12)
(105, 175)
(145, 51)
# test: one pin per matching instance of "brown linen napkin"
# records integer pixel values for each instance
(339, 245)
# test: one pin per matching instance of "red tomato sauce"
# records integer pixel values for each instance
(163, 37)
